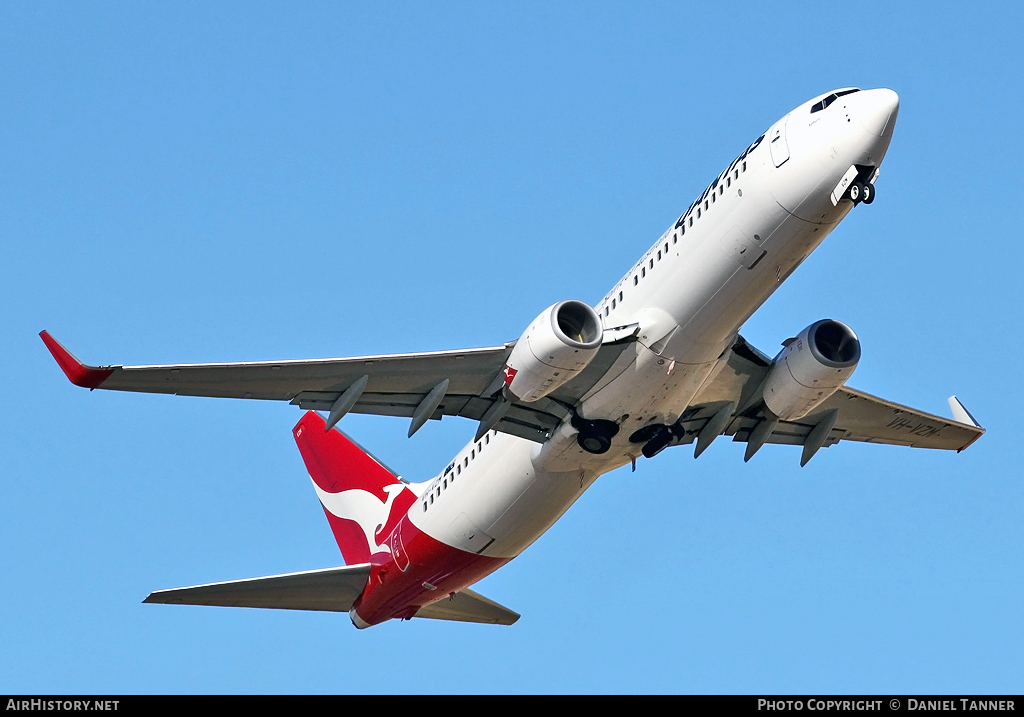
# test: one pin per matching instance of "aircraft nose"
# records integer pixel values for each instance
(880, 108)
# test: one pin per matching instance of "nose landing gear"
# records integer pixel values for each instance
(858, 193)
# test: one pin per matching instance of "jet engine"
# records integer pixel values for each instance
(557, 345)
(811, 368)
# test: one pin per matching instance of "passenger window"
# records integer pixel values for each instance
(606, 311)
(698, 212)
(465, 463)
(659, 254)
(424, 506)
(431, 498)
(445, 482)
(652, 263)
(744, 166)
(705, 205)
(712, 198)
(458, 469)
(636, 280)
(620, 296)
(479, 447)
(643, 271)
(728, 181)
(613, 303)
(487, 438)
(691, 220)
(473, 454)
(666, 247)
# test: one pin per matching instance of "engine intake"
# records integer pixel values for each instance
(558, 344)
(811, 368)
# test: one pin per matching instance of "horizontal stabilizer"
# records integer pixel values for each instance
(468, 606)
(330, 589)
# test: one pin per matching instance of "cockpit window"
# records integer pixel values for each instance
(819, 106)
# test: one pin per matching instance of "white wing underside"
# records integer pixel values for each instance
(397, 384)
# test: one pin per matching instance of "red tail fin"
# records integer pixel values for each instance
(363, 500)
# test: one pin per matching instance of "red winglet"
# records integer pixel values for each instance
(77, 372)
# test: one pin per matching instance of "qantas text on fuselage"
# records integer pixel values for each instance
(658, 362)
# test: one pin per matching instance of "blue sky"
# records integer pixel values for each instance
(197, 182)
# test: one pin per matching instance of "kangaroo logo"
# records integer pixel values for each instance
(363, 508)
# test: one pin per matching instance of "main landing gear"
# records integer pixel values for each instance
(858, 193)
(657, 437)
(595, 436)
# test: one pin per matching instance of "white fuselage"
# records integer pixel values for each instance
(690, 293)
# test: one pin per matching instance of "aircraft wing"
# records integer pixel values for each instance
(853, 415)
(330, 589)
(419, 386)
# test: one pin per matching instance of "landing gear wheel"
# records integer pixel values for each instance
(657, 444)
(663, 439)
(869, 193)
(594, 436)
(646, 433)
(594, 442)
(856, 192)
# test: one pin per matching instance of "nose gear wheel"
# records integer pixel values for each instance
(856, 192)
(869, 193)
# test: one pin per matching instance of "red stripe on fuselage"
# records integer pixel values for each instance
(393, 592)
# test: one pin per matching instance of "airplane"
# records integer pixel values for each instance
(658, 362)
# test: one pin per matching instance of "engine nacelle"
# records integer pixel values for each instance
(811, 368)
(557, 345)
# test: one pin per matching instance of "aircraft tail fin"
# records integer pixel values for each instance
(363, 499)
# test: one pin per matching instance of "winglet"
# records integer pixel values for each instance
(961, 414)
(77, 372)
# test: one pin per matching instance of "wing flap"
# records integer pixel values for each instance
(330, 589)
(468, 606)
